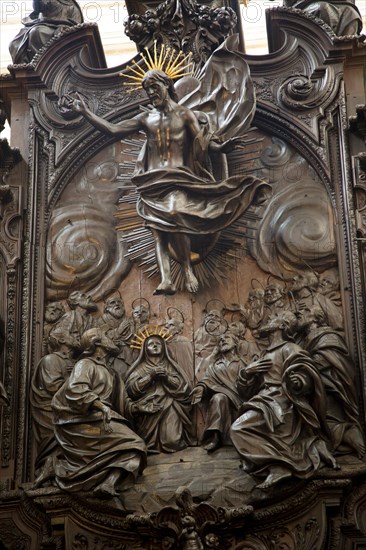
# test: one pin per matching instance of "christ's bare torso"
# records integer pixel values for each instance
(169, 135)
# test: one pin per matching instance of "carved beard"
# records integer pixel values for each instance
(116, 313)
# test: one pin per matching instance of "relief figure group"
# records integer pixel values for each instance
(272, 378)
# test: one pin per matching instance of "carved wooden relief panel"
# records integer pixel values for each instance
(182, 323)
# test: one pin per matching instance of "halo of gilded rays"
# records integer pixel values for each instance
(172, 63)
(146, 332)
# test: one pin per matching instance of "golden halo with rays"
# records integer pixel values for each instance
(146, 332)
(173, 64)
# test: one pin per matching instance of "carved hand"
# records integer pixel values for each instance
(74, 103)
(106, 414)
(231, 144)
(148, 406)
(159, 372)
(124, 329)
(262, 365)
(106, 411)
(196, 395)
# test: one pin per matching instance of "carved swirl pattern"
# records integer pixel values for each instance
(296, 92)
(300, 92)
(83, 250)
(80, 251)
(276, 154)
(296, 229)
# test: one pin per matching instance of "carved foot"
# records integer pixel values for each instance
(47, 474)
(214, 444)
(273, 478)
(327, 456)
(105, 491)
(191, 282)
(165, 288)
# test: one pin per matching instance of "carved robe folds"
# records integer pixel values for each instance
(168, 429)
(90, 451)
(273, 431)
(224, 400)
(50, 374)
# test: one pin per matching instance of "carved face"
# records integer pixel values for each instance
(54, 312)
(273, 323)
(107, 344)
(328, 282)
(226, 342)
(223, 17)
(174, 326)
(154, 346)
(73, 339)
(62, 336)
(213, 321)
(46, 6)
(237, 328)
(299, 282)
(140, 314)
(85, 301)
(272, 294)
(150, 14)
(115, 307)
(255, 299)
(213, 315)
(305, 317)
(156, 90)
